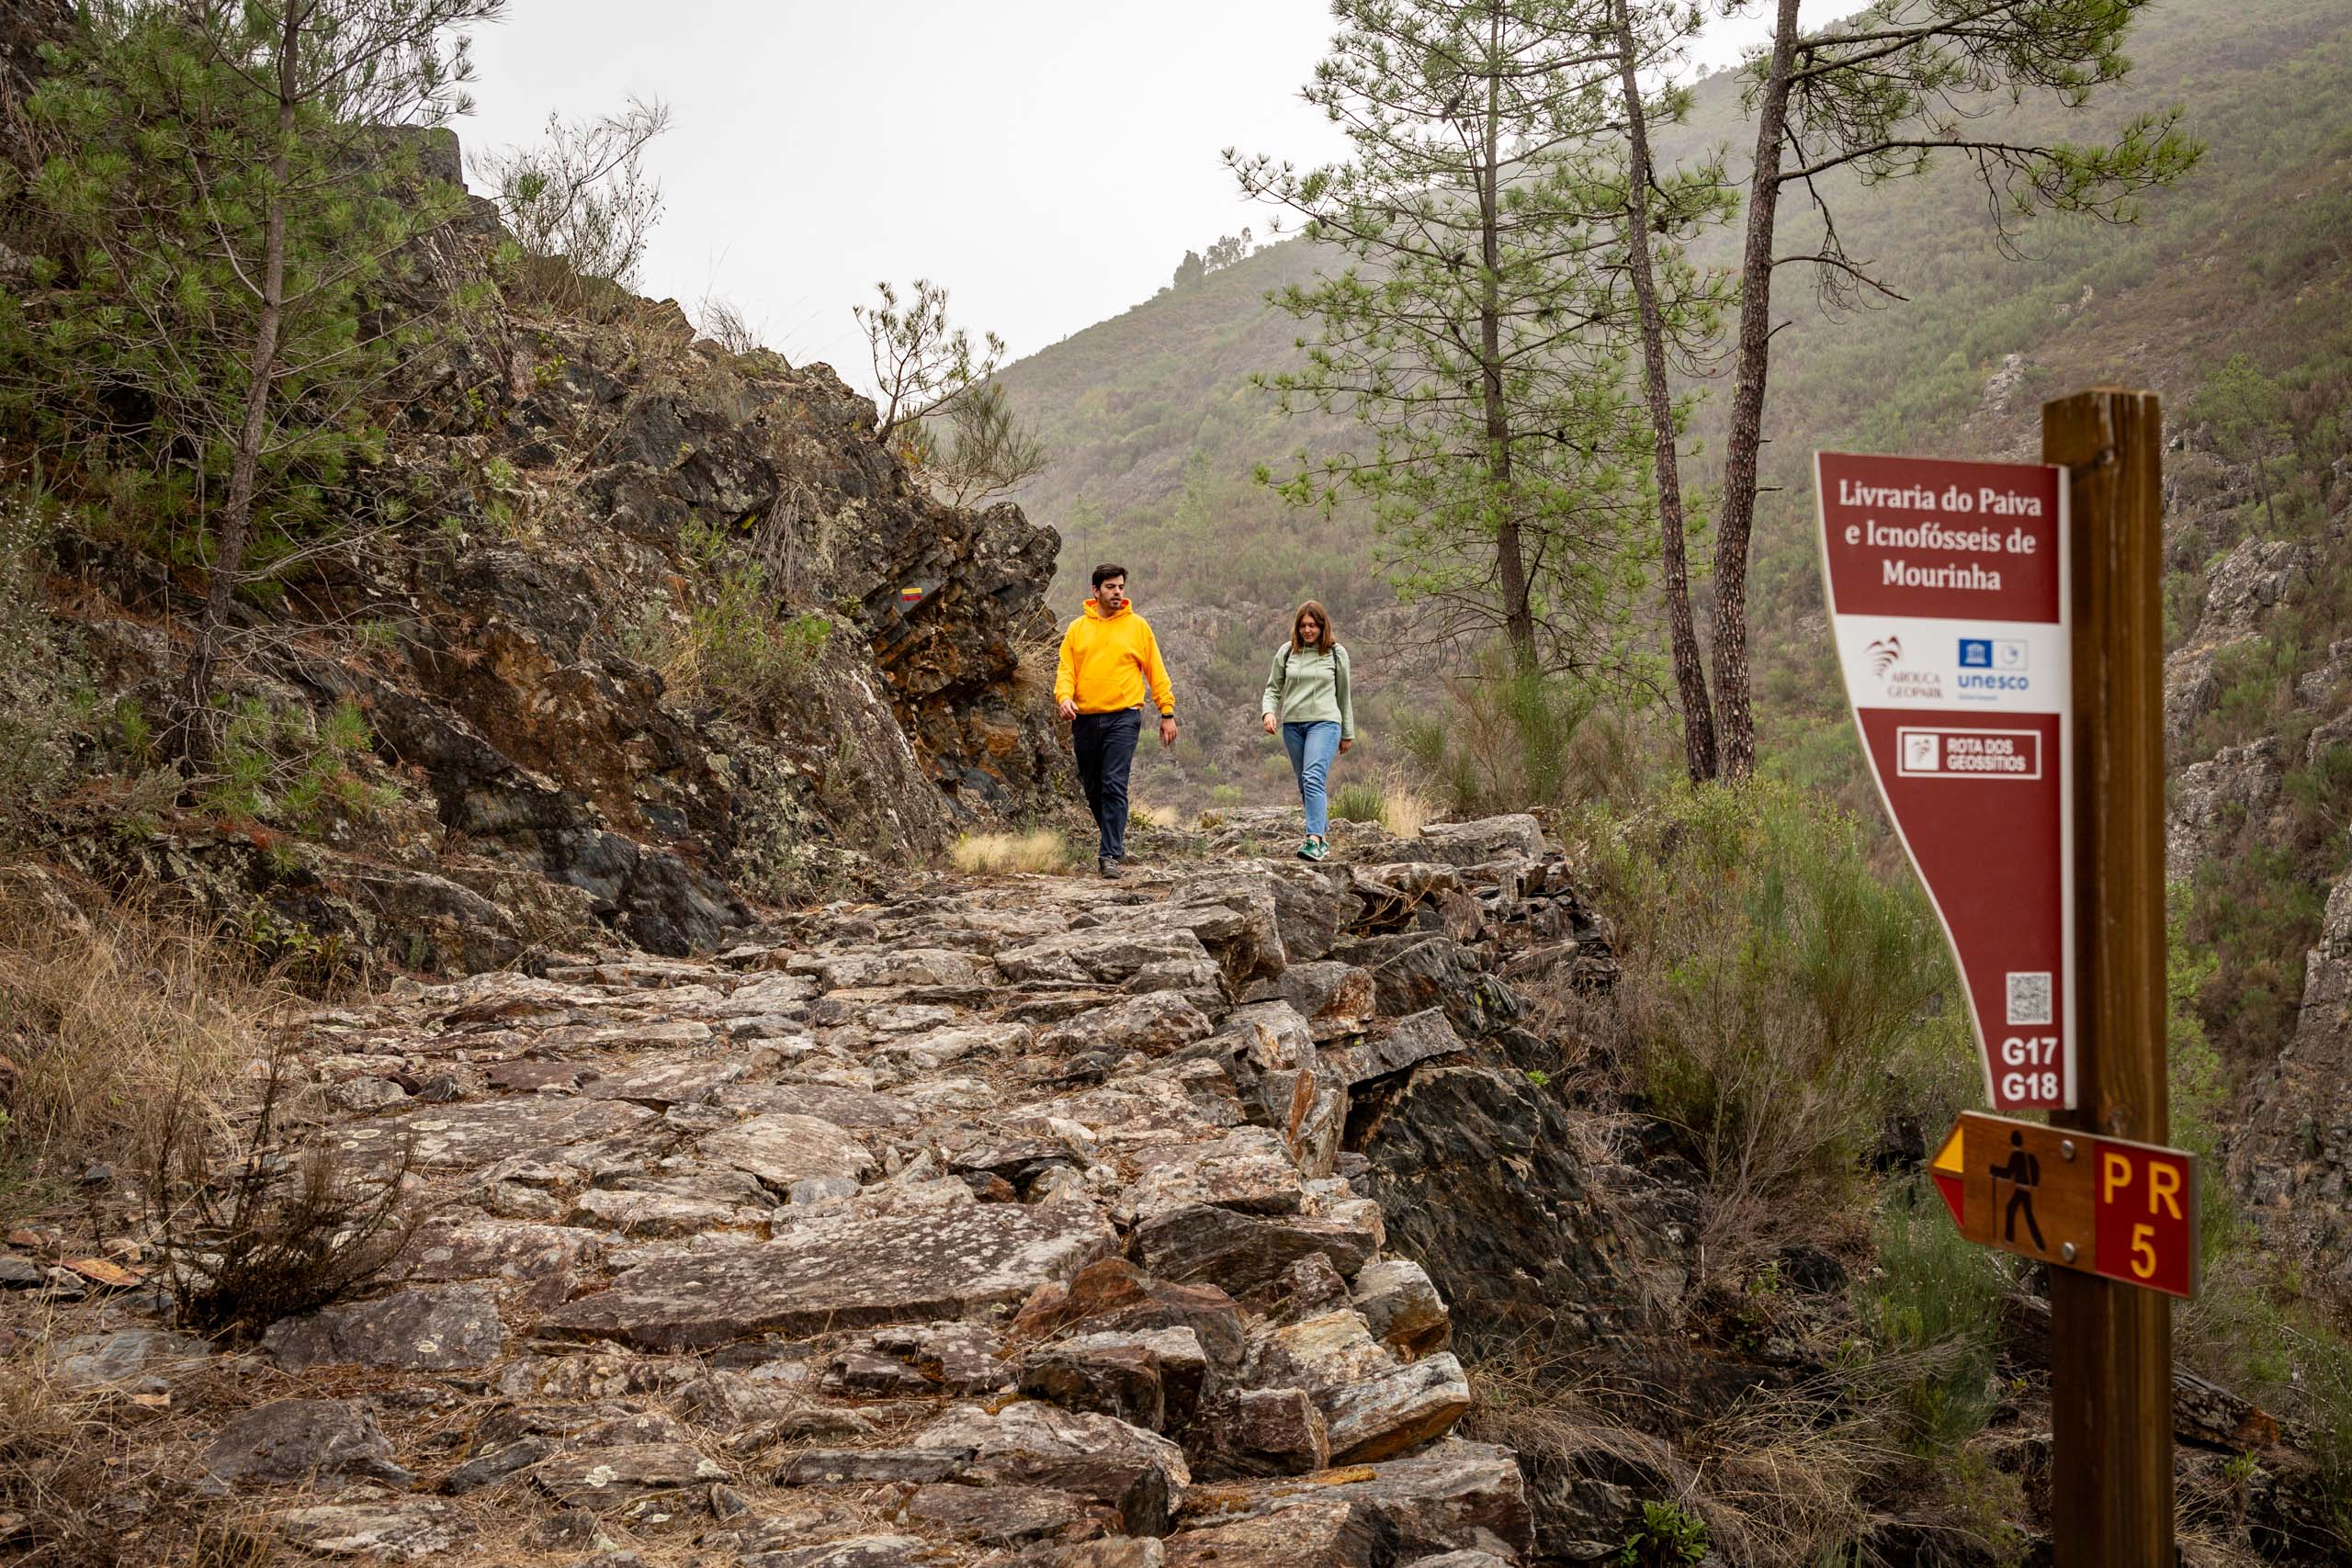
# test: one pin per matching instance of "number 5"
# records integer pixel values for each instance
(2143, 1249)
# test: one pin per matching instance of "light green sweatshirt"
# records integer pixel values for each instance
(1307, 685)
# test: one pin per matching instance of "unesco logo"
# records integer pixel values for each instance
(2004, 654)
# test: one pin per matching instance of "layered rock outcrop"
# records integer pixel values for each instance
(641, 631)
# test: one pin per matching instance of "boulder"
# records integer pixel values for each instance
(1478, 842)
(652, 1214)
(129, 1361)
(1113, 1552)
(1330, 1532)
(490, 1130)
(1152, 1379)
(1401, 1306)
(928, 1359)
(1268, 1054)
(1393, 1044)
(1238, 920)
(1007, 1516)
(1114, 1296)
(1335, 999)
(781, 1148)
(859, 1551)
(1394, 1410)
(1455, 1497)
(1105, 955)
(540, 1261)
(1247, 1170)
(1263, 1431)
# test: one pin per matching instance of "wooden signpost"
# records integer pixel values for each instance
(2013, 718)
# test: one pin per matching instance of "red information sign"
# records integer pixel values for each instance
(1946, 584)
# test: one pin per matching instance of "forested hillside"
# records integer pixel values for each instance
(1155, 431)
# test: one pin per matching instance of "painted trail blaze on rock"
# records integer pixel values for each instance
(1946, 584)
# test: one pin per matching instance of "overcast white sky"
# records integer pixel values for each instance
(1050, 161)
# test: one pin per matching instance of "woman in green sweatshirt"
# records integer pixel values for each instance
(1307, 701)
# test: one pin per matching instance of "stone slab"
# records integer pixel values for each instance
(858, 1272)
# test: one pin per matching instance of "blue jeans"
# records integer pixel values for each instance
(1105, 745)
(1312, 747)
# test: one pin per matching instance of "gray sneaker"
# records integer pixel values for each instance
(1108, 867)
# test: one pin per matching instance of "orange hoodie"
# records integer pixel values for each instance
(1107, 660)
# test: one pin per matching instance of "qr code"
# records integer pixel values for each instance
(2030, 998)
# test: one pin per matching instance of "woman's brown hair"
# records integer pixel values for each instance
(1322, 618)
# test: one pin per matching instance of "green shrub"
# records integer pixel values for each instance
(1670, 1536)
(277, 763)
(1360, 802)
(1780, 1000)
(1510, 740)
(1934, 1302)
(735, 649)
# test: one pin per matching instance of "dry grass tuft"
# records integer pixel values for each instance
(111, 1021)
(1142, 816)
(1780, 1477)
(1041, 850)
(88, 1480)
(1403, 809)
(1035, 665)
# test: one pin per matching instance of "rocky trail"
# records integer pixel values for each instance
(1027, 1220)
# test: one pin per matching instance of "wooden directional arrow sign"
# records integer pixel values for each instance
(2123, 1211)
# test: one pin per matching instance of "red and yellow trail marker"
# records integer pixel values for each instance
(2104, 1206)
(909, 596)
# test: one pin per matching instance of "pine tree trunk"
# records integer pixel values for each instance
(1511, 563)
(1689, 675)
(1734, 710)
(237, 513)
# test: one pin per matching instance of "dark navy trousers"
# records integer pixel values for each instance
(1105, 745)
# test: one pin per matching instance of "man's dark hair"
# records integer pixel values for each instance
(1105, 571)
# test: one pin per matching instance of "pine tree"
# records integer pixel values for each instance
(1476, 338)
(231, 189)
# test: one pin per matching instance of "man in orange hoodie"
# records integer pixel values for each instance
(1109, 661)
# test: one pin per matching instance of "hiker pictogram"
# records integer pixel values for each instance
(2022, 1171)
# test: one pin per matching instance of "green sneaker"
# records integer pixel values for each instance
(1316, 849)
(1306, 850)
